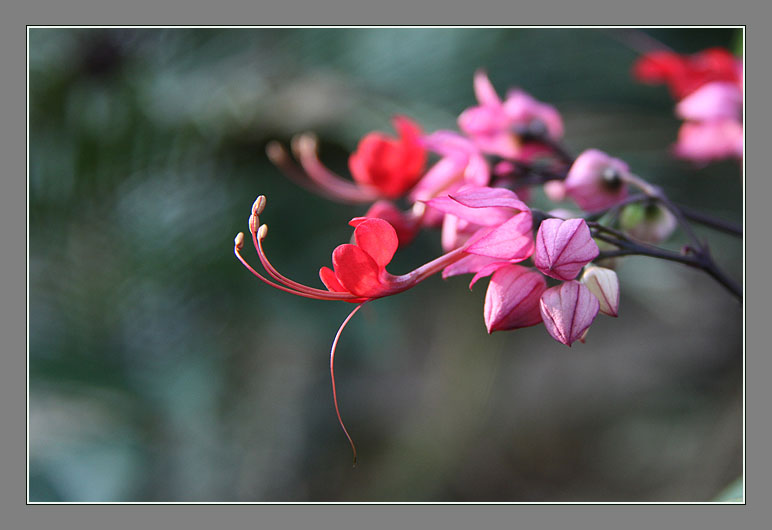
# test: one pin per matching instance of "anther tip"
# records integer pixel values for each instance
(262, 232)
(275, 151)
(238, 241)
(259, 205)
(254, 221)
(304, 142)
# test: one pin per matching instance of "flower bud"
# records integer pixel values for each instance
(512, 299)
(604, 284)
(596, 180)
(649, 223)
(563, 248)
(568, 310)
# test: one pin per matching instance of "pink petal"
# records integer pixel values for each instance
(510, 241)
(483, 89)
(439, 177)
(563, 248)
(521, 108)
(717, 100)
(706, 141)
(484, 197)
(512, 299)
(377, 238)
(468, 264)
(568, 310)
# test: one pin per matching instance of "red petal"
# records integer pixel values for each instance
(378, 239)
(330, 281)
(357, 271)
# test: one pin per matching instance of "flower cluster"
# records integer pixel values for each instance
(709, 89)
(474, 185)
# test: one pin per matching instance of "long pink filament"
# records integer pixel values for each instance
(332, 376)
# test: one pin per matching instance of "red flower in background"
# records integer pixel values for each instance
(684, 74)
(391, 165)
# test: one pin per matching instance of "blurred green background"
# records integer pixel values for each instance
(161, 370)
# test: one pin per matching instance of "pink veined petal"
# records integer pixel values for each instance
(467, 265)
(377, 238)
(479, 216)
(487, 270)
(568, 311)
(563, 248)
(512, 298)
(485, 197)
(483, 89)
(356, 271)
(510, 241)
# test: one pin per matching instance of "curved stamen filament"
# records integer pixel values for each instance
(271, 270)
(304, 147)
(236, 251)
(332, 377)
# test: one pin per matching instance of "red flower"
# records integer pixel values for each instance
(686, 73)
(391, 165)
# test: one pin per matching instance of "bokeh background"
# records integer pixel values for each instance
(161, 370)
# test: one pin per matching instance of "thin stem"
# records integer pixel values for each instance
(332, 377)
(711, 222)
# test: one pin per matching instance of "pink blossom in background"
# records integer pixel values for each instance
(563, 247)
(596, 180)
(568, 311)
(493, 123)
(707, 141)
(714, 101)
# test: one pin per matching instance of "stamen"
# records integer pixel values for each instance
(321, 294)
(332, 376)
(305, 148)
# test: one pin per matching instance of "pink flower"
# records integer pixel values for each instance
(390, 165)
(596, 180)
(568, 311)
(497, 126)
(563, 248)
(706, 141)
(512, 298)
